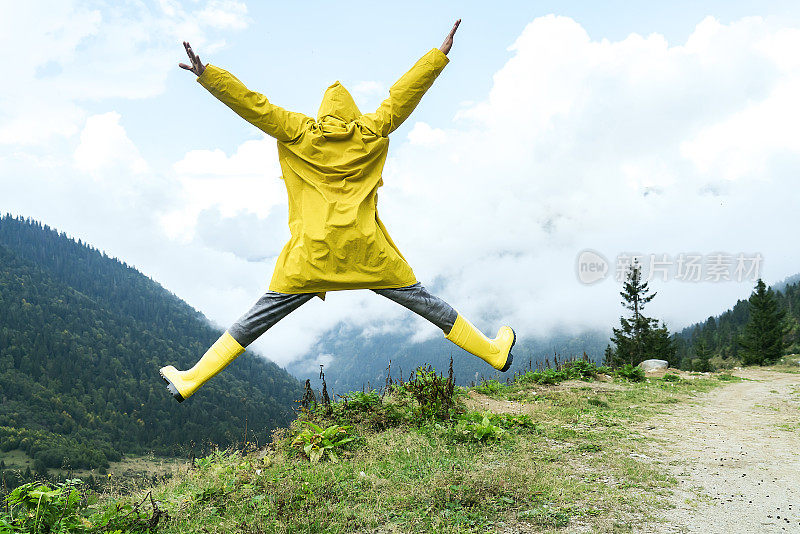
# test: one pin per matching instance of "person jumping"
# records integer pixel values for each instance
(332, 170)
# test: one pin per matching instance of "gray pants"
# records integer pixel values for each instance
(273, 307)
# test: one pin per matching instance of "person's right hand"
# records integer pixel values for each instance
(448, 41)
(197, 66)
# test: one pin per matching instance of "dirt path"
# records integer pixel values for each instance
(736, 455)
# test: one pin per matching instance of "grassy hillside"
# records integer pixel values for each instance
(82, 337)
(537, 454)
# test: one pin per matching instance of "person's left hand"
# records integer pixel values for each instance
(448, 41)
(197, 66)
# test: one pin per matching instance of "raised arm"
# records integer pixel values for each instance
(253, 107)
(407, 92)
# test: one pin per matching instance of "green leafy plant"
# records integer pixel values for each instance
(468, 429)
(671, 377)
(434, 394)
(629, 372)
(583, 369)
(216, 457)
(577, 369)
(515, 421)
(128, 517)
(316, 442)
(363, 410)
(36, 507)
(361, 401)
(604, 370)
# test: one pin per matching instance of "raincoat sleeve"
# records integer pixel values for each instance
(253, 107)
(406, 93)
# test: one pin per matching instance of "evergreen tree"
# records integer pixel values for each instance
(658, 342)
(762, 339)
(710, 333)
(702, 352)
(639, 337)
(608, 356)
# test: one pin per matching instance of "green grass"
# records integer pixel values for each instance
(727, 377)
(570, 461)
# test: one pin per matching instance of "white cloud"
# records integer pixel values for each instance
(368, 88)
(247, 182)
(104, 146)
(423, 134)
(74, 53)
(223, 14)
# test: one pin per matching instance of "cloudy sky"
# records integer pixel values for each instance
(667, 129)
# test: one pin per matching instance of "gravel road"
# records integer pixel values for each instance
(736, 454)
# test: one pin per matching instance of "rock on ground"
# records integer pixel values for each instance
(654, 365)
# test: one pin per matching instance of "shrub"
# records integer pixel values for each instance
(316, 442)
(629, 372)
(578, 369)
(548, 376)
(425, 397)
(434, 394)
(363, 410)
(583, 369)
(604, 370)
(671, 377)
(361, 401)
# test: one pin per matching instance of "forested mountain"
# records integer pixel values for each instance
(719, 334)
(82, 337)
(359, 361)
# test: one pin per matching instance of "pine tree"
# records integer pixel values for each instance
(658, 341)
(639, 336)
(702, 353)
(762, 339)
(608, 355)
(710, 333)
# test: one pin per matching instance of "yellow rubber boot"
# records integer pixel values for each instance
(182, 384)
(496, 352)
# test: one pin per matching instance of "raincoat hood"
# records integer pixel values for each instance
(337, 102)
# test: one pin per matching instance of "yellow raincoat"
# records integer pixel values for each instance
(332, 169)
